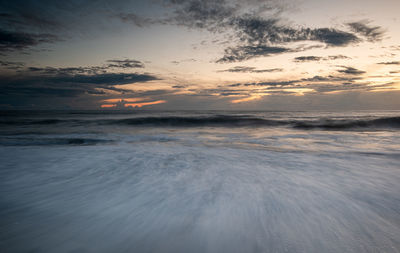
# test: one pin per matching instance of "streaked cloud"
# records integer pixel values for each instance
(371, 33)
(242, 53)
(111, 65)
(256, 35)
(320, 58)
(12, 65)
(351, 71)
(244, 69)
(206, 53)
(390, 63)
(307, 58)
(125, 64)
(12, 41)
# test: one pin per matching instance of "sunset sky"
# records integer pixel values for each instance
(177, 54)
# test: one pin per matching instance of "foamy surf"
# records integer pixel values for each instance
(199, 189)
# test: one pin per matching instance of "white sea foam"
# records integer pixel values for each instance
(202, 190)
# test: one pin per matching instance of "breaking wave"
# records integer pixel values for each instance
(387, 122)
(224, 121)
(240, 121)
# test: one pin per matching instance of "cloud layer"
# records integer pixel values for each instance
(49, 82)
(256, 35)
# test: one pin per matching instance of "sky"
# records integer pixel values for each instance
(200, 54)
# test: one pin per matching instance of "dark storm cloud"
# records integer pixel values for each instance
(351, 71)
(244, 69)
(371, 33)
(390, 63)
(12, 41)
(241, 53)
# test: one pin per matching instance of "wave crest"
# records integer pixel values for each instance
(224, 121)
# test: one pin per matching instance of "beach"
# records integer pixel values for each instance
(200, 181)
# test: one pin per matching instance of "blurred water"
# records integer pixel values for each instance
(80, 182)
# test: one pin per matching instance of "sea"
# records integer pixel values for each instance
(199, 181)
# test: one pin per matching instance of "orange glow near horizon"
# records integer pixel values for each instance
(121, 102)
(118, 100)
(108, 106)
(145, 103)
(247, 99)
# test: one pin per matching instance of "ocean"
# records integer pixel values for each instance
(199, 181)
